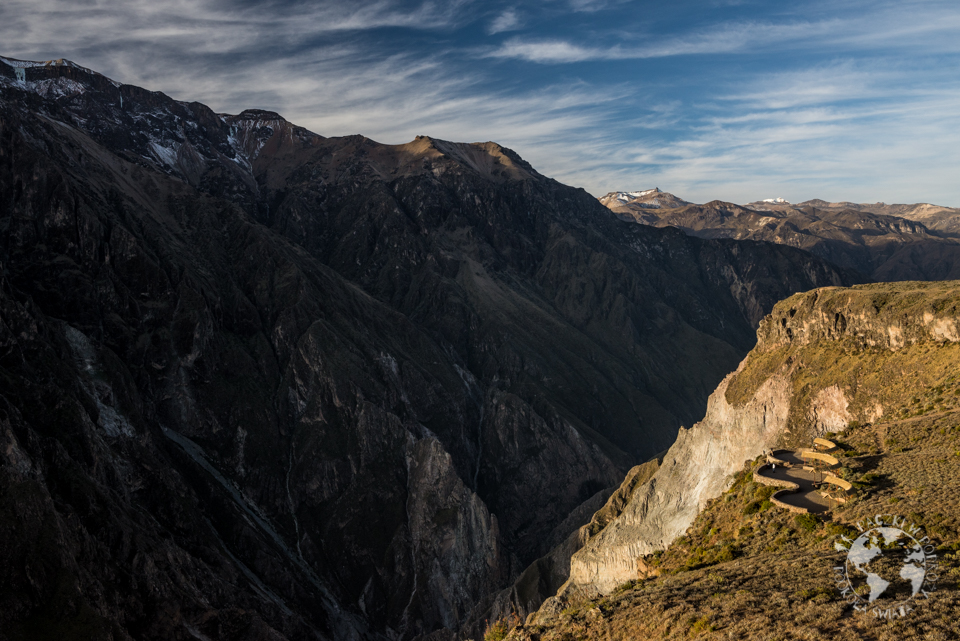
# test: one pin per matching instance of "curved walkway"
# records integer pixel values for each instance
(801, 493)
(807, 482)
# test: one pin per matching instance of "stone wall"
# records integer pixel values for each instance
(787, 506)
(766, 480)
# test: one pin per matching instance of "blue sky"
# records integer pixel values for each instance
(727, 99)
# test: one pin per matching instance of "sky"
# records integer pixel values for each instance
(712, 99)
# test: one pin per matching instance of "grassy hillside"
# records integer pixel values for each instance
(749, 570)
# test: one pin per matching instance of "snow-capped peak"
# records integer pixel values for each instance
(626, 196)
(776, 200)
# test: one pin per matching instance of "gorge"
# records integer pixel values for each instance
(262, 384)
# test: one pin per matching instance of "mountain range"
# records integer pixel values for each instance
(881, 242)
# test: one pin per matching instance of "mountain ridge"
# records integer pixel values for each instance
(885, 244)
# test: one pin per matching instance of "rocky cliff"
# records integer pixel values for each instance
(262, 384)
(824, 360)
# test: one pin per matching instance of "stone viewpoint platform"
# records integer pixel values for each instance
(808, 486)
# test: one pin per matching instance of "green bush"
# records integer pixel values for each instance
(751, 508)
(625, 587)
(839, 529)
(807, 522)
(496, 632)
(701, 625)
(764, 492)
(501, 627)
(820, 594)
(725, 554)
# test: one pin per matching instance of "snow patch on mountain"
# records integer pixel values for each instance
(166, 155)
(627, 196)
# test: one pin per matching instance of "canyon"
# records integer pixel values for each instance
(263, 384)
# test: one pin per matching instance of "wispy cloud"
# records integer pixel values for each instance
(594, 5)
(865, 143)
(728, 38)
(116, 27)
(855, 102)
(935, 31)
(509, 20)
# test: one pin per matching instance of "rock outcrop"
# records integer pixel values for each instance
(695, 469)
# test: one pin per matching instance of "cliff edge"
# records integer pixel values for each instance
(825, 359)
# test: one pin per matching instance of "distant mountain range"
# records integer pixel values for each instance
(882, 242)
(933, 217)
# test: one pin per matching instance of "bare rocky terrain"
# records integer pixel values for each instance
(262, 384)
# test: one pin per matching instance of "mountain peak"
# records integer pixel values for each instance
(636, 205)
(490, 159)
(28, 64)
(258, 114)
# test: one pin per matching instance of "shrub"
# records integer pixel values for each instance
(819, 594)
(806, 522)
(701, 625)
(496, 632)
(725, 554)
(501, 627)
(839, 529)
(764, 492)
(625, 587)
